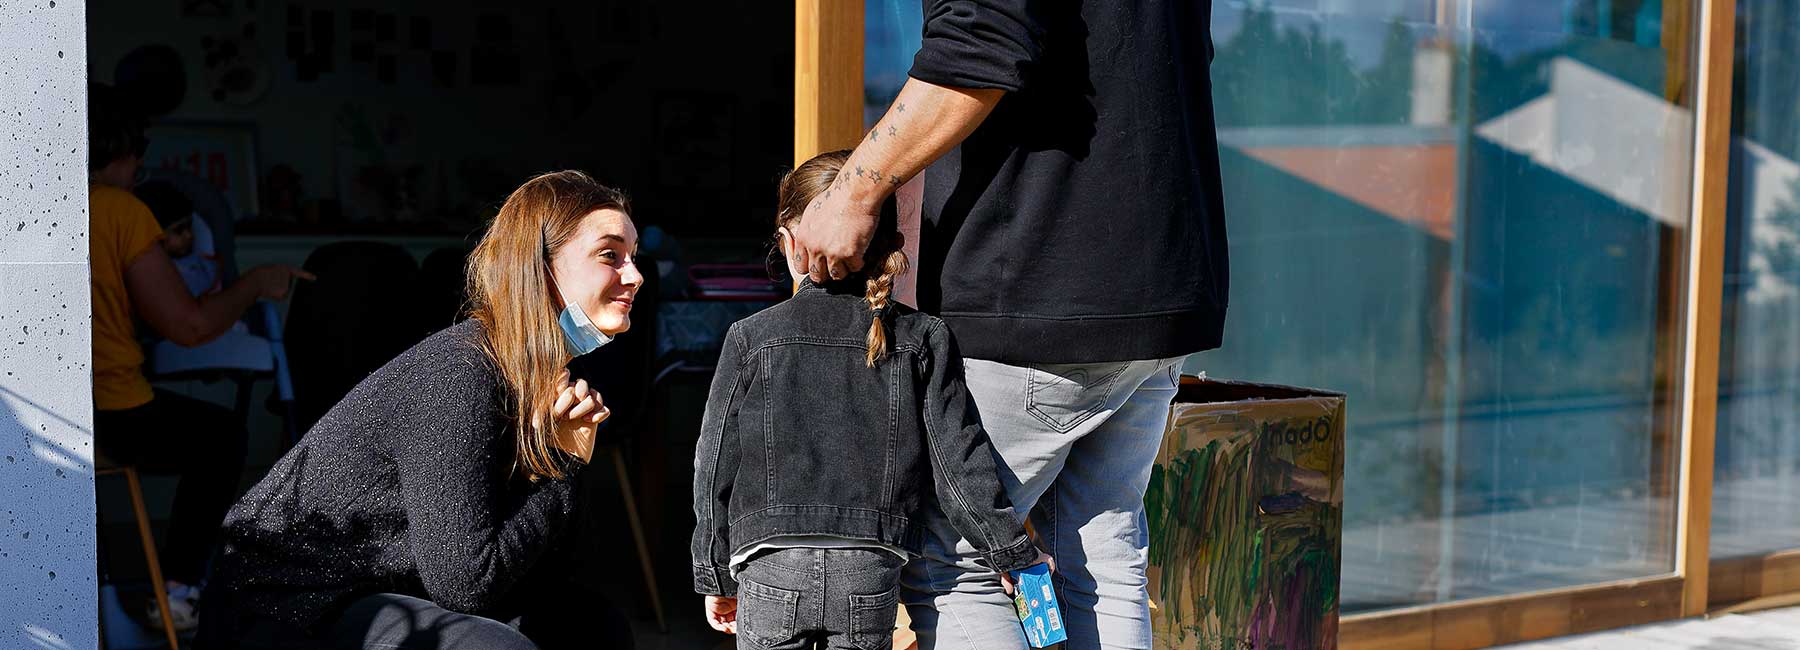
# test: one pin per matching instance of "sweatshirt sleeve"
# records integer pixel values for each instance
(962, 461)
(472, 537)
(979, 43)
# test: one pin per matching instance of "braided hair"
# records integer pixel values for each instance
(883, 263)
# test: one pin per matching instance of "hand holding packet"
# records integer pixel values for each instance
(1035, 599)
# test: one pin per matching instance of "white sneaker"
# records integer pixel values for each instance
(184, 605)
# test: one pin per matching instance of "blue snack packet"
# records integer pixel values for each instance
(1035, 600)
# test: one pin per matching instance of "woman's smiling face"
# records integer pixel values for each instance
(597, 268)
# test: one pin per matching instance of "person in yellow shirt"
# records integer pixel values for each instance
(133, 280)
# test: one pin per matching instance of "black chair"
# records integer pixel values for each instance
(356, 317)
(443, 288)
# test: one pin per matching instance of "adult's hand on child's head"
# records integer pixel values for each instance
(577, 412)
(721, 613)
(272, 281)
(833, 233)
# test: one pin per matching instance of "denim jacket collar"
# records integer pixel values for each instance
(851, 286)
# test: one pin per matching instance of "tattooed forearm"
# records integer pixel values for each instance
(934, 118)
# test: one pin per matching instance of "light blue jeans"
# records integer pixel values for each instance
(1077, 442)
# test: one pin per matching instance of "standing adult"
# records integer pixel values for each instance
(1074, 241)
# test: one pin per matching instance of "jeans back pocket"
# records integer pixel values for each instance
(766, 614)
(872, 619)
(1063, 395)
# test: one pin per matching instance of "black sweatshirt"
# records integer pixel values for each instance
(405, 486)
(1083, 221)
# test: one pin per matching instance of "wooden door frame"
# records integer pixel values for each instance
(828, 76)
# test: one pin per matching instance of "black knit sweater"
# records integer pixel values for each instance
(405, 486)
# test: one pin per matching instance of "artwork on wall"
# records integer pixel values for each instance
(1245, 508)
(372, 184)
(311, 40)
(236, 72)
(693, 136)
(443, 69)
(495, 58)
(205, 8)
(617, 24)
(221, 152)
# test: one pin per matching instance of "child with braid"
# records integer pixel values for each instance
(835, 419)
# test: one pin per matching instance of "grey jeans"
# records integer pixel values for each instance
(1077, 443)
(805, 598)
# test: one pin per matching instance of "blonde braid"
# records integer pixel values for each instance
(879, 288)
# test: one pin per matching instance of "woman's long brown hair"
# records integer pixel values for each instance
(511, 295)
(884, 261)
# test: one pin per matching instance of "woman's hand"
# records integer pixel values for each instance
(578, 412)
(721, 613)
(1006, 579)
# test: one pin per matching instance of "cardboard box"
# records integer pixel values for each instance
(1245, 507)
(1039, 613)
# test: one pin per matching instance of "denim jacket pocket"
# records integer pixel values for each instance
(1064, 395)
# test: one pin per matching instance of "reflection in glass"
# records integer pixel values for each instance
(1756, 483)
(1469, 216)
(892, 30)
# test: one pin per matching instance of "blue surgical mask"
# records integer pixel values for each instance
(579, 333)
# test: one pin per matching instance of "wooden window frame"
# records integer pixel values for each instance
(828, 96)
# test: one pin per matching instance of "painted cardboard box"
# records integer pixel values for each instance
(1245, 507)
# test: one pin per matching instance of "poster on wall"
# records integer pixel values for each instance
(693, 135)
(221, 153)
(205, 8)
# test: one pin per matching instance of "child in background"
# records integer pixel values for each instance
(834, 419)
(175, 213)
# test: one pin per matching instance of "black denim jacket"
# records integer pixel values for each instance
(801, 437)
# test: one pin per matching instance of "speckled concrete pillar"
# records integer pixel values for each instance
(47, 582)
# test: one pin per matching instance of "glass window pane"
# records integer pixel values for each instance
(1468, 216)
(1756, 488)
(892, 30)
